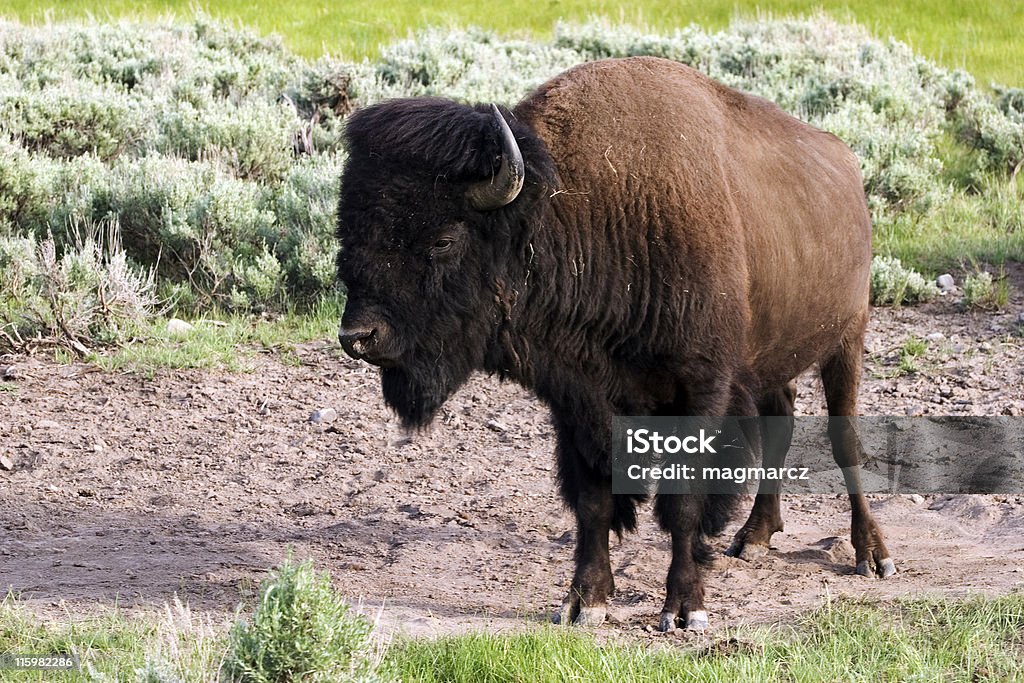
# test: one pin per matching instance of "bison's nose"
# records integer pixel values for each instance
(371, 344)
(357, 341)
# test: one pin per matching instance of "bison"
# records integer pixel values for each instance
(632, 238)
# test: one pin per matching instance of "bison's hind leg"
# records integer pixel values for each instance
(754, 537)
(840, 376)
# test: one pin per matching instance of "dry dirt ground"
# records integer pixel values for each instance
(131, 490)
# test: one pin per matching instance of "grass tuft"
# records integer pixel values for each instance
(984, 291)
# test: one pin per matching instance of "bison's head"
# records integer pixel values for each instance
(424, 223)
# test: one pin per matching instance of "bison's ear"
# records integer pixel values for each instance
(505, 185)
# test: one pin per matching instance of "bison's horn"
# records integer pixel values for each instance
(503, 186)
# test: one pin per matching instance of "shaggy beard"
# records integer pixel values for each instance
(416, 395)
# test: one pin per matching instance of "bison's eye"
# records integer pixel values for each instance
(442, 245)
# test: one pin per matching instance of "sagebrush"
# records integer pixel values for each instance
(301, 630)
(218, 152)
(893, 283)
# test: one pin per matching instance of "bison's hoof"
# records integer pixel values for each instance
(884, 570)
(667, 623)
(697, 620)
(746, 551)
(590, 616)
(587, 616)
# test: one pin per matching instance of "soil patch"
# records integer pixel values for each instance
(131, 489)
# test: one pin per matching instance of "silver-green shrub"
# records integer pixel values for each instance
(218, 151)
(301, 630)
(982, 290)
(254, 142)
(893, 284)
(305, 206)
(82, 292)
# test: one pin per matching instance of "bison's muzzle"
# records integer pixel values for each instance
(368, 343)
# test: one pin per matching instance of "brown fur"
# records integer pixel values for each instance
(679, 248)
(763, 215)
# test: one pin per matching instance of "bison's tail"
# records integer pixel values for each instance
(718, 511)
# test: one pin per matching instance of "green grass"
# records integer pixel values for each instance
(114, 645)
(222, 342)
(845, 641)
(987, 225)
(981, 36)
(912, 349)
(978, 639)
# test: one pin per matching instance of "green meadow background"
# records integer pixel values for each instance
(982, 36)
(166, 157)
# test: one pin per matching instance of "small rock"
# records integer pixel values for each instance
(302, 510)
(945, 282)
(178, 327)
(47, 424)
(916, 498)
(6, 463)
(935, 336)
(496, 426)
(985, 346)
(323, 415)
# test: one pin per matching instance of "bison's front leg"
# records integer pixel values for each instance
(691, 518)
(587, 601)
(681, 516)
(583, 426)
